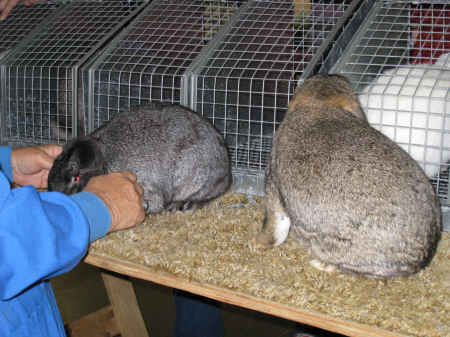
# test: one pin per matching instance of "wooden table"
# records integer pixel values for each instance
(206, 253)
(131, 324)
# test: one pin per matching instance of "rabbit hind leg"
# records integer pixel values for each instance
(276, 224)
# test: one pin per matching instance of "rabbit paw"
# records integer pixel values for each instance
(323, 266)
(184, 206)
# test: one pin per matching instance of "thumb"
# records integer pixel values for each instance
(45, 161)
(48, 153)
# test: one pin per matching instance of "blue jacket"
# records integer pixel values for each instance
(42, 234)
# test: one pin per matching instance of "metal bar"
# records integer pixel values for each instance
(320, 54)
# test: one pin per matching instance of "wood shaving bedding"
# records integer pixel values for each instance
(210, 245)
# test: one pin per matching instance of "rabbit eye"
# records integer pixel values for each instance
(75, 179)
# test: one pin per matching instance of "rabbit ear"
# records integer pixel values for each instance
(348, 103)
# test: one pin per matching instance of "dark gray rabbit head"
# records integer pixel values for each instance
(80, 160)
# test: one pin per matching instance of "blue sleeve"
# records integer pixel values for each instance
(5, 162)
(43, 234)
(96, 213)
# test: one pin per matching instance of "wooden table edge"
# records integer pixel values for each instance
(237, 298)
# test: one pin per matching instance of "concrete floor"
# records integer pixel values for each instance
(81, 292)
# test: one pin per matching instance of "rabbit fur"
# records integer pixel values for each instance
(179, 158)
(354, 198)
(410, 105)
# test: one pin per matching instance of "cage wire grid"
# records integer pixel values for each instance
(245, 84)
(43, 94)
(20, 22)
(399, 64)
(148, 60)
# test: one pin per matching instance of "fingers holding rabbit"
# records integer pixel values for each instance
(123, 197)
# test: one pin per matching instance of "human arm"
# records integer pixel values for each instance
(119, 191)
(41, 235)
(31, 165)
(45, 234)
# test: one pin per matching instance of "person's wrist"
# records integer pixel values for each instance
(96, 212)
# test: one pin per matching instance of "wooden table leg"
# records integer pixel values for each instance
(125, 306)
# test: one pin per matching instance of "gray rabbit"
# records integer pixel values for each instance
(357, 200)
(179, 157)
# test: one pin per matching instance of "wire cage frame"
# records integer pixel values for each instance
(20, 22)
(244, 84)
(148, 60)
(399, 64)
(43, 98)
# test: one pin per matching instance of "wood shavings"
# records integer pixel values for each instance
(210, 245)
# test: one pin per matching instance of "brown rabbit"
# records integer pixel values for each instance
(356, 199)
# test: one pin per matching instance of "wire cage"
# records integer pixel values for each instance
(245, 83)
(20, 22)
(399, 63)
(41, 82)
(148, 60)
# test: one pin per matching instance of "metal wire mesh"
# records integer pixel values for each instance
(245, 85)
(42, 93)
(20, 22)
(148, 61)
(399, 63)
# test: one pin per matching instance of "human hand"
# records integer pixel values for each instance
(31, 164)
(123, 197)
(7, 5)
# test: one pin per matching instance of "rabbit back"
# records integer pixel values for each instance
(356, 199)
(176, 154)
